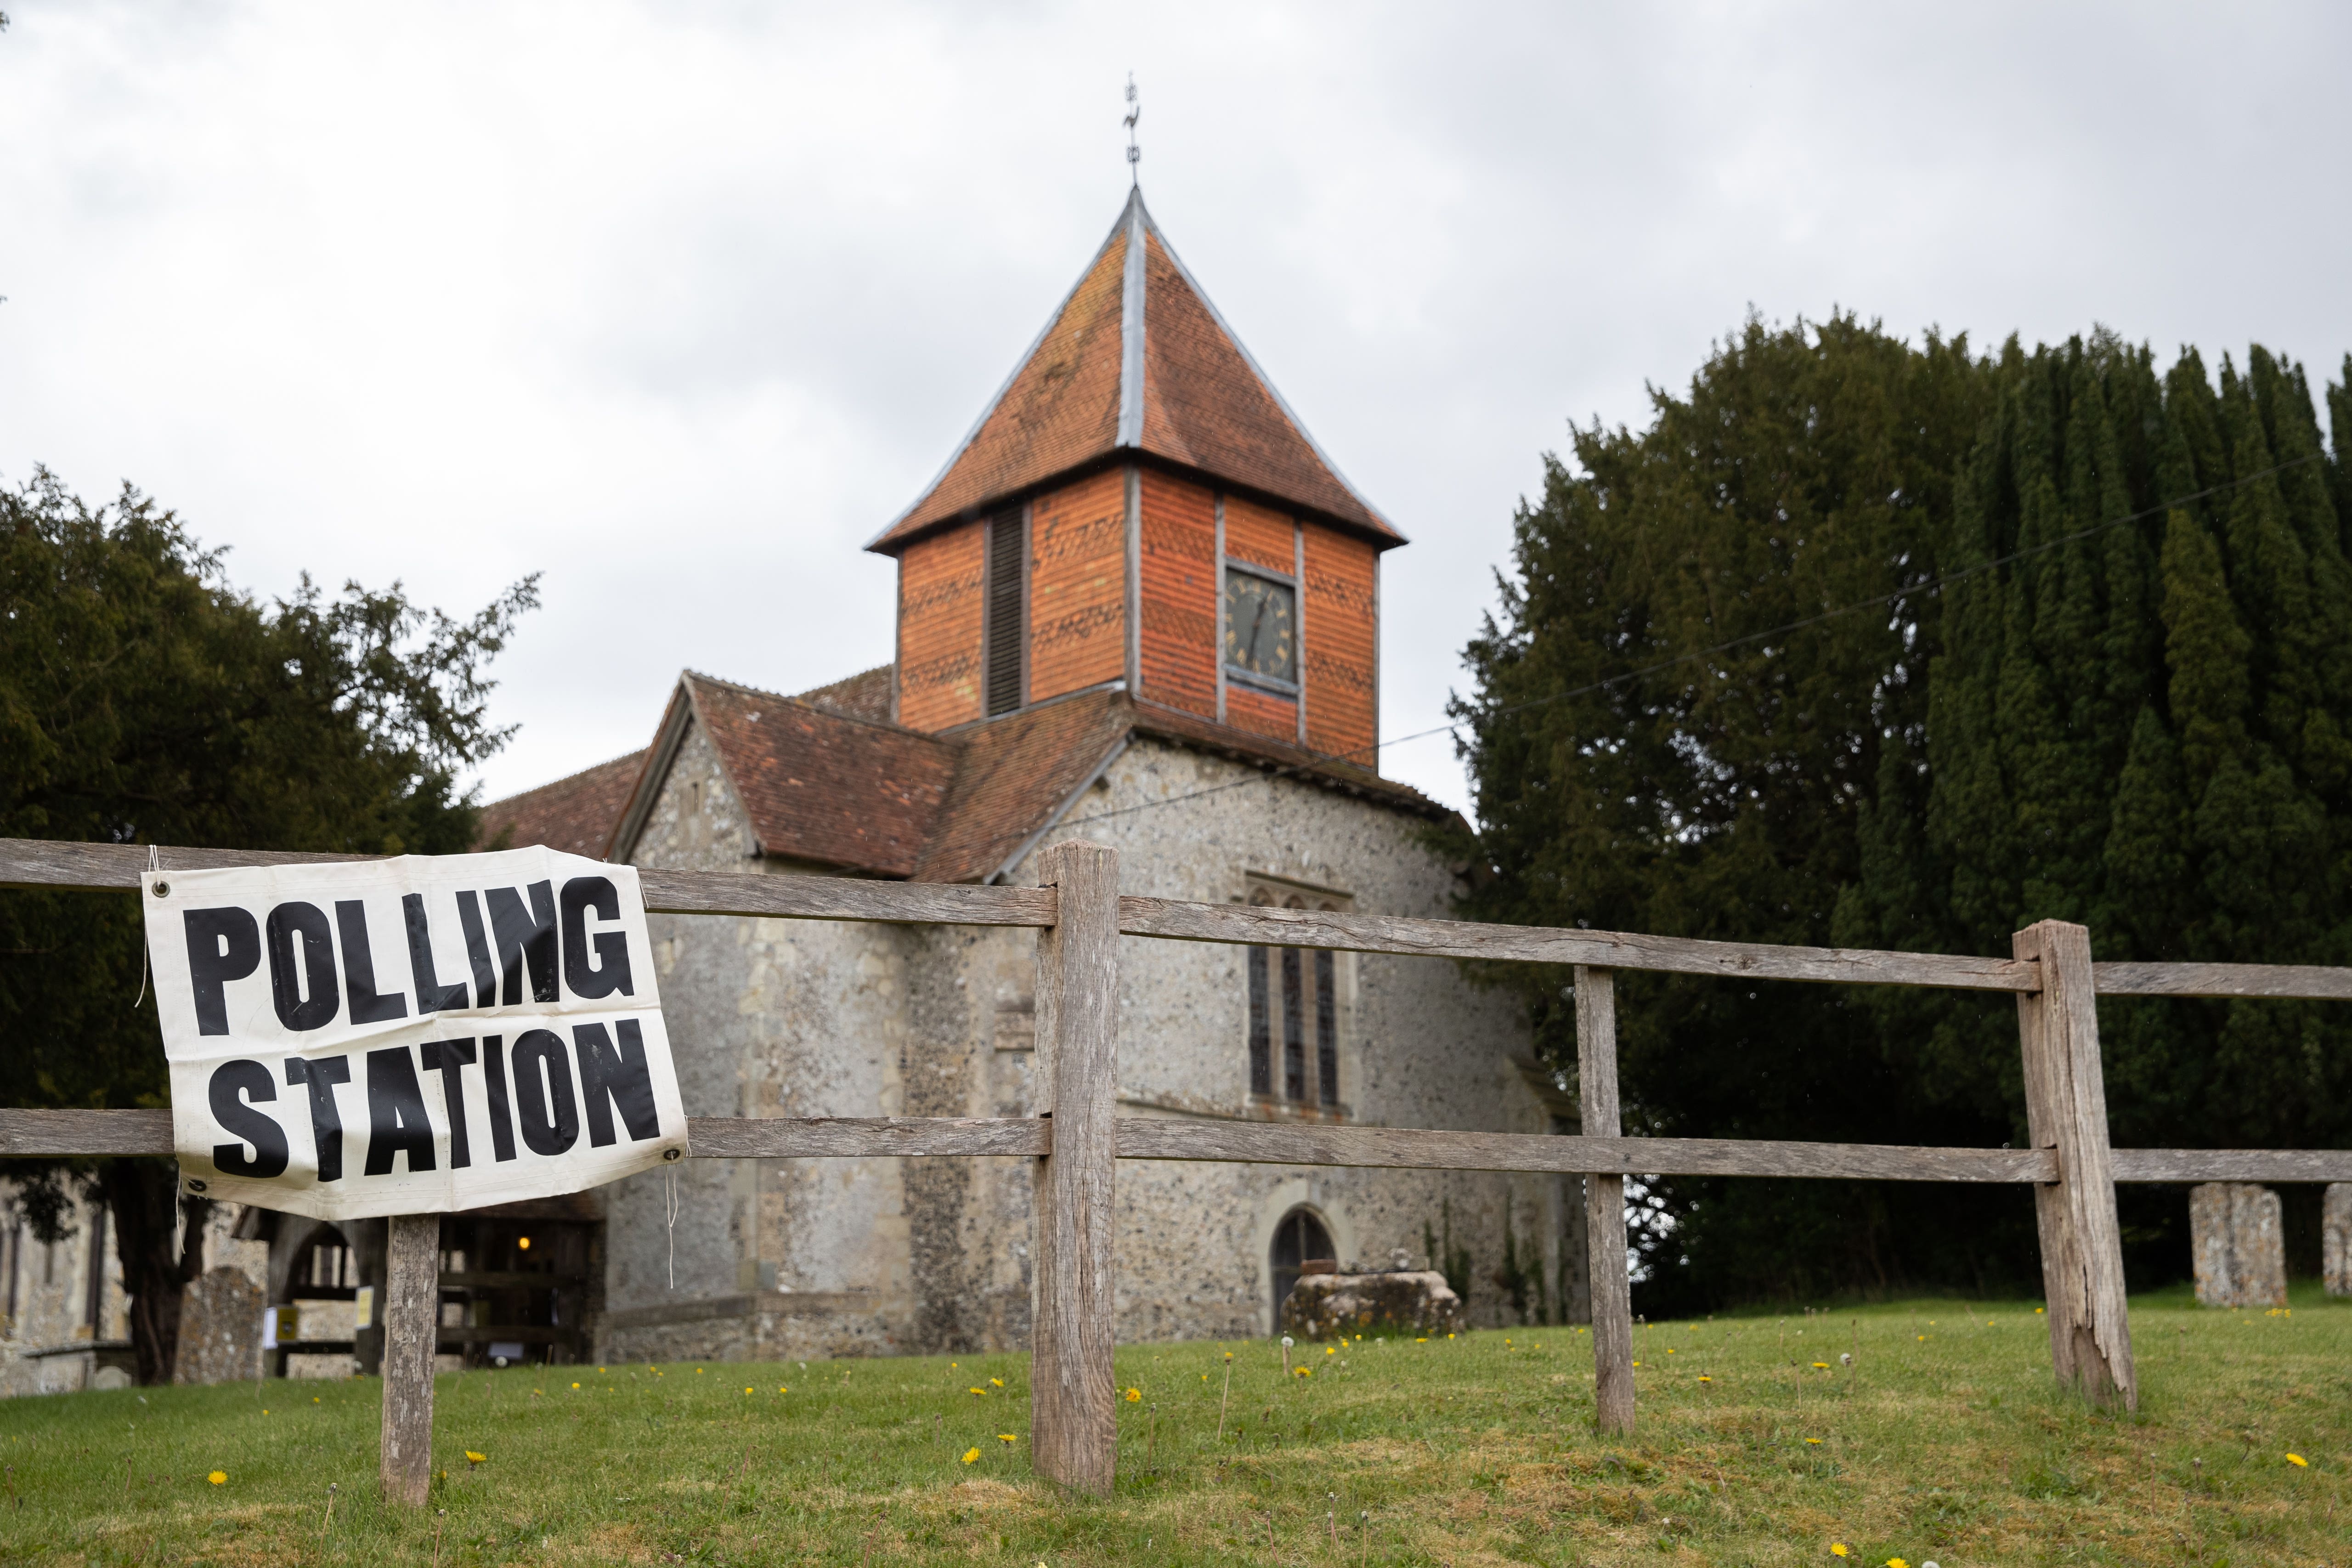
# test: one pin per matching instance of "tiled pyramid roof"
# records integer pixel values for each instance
(1137, 360)
(828, 786)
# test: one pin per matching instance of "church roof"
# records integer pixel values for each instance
(825, 782)
(574, 815)
(1136, 361)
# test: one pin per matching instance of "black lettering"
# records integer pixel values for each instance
(612, 947)
(323, 1074)
(494, 1076)
(477, 950)
(224, 944)
(306, 923)
(359, 969)
(233, 1084)
(525, 935)
(546, 1110)
(432, 996)
(450, 1058)
(609, 1077)
(396, 1118)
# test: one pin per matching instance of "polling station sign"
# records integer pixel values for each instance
(410, 1035)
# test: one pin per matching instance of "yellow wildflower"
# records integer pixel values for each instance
(575, 1385)
(746, 1387)
(997, 1382)
(1135, 1396)
(1704, 1378)
(1820, 1366)
(1897, 1563)
(982, 1392)
(1837, 1548)
(2298, 1461)
(1330, 1350)
(1007, 1438)
(474, 1458)
(782, 1389)
(218, 1477)
(1922, 1339)
(1816, 1442)
(970, 1456)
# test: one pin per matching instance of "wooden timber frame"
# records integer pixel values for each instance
(1079, 915)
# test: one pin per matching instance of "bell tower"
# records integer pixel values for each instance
(1138, 505)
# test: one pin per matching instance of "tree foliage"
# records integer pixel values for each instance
(1879, 645)
(145, 699)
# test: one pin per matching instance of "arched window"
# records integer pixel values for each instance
(1295, 1011)
(1298, 1240)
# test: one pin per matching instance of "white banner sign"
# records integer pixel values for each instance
(410, 1035)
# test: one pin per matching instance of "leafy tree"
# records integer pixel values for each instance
(2057, 699)
(145, 699)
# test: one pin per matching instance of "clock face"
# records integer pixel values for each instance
(1261, 626)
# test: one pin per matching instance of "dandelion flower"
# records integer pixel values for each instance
(1837, 1548)
(1007, 1438)
(982, 1392)
(746, 1387)
(474, 1458)
(782, 1389)
(1704, 1378)
(1330, 1350)
(2298, 1461)
(1897, 1563)
(1135, 1396)
(1816, 1442)
(1820, 1366)
(972, 1456)
(218, 1477)
(1303, 1372)
(575, 1385)
(997, 1382)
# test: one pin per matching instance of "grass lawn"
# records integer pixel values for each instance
(1947, 1440)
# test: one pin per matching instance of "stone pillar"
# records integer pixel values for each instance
(2336, 1238)
(2239, 1246)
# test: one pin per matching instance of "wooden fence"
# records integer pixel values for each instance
(1079, 916)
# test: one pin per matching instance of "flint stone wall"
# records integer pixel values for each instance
(798, 1260)
(1331, 1306)
(2238, 1245)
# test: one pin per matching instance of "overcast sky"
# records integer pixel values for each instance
(678, 304)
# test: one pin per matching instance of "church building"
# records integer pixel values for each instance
(1138, 606)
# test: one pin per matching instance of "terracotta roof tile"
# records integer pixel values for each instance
(1186, 392)
(574, 815)
(873, 798)
(820, 785)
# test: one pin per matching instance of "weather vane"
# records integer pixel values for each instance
(1134, 152)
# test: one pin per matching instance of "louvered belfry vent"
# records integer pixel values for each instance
(1007, 628)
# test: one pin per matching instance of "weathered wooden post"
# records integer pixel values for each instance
(1604, 1203)
(412, 1325)
(1073, 1408)
(2066, 1109)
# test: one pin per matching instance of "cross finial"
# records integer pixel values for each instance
(1134, 113)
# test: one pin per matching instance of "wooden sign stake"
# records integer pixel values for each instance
(412, 1325)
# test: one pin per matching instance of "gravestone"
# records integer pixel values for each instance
(220, 1328)
(1327, 1306)
(2336, 1238)
(2238, 1245)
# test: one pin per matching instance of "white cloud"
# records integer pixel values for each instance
(680, 305)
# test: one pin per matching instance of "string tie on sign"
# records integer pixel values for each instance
(154, 863)
(669, 1178)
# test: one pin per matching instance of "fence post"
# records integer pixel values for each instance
(1604, 1204)
(2066, 1109)
(1072, 1409)
(412, 1322)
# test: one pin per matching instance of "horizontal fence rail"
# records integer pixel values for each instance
(2071, 1170)
(44, 863)
(93, 1134)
